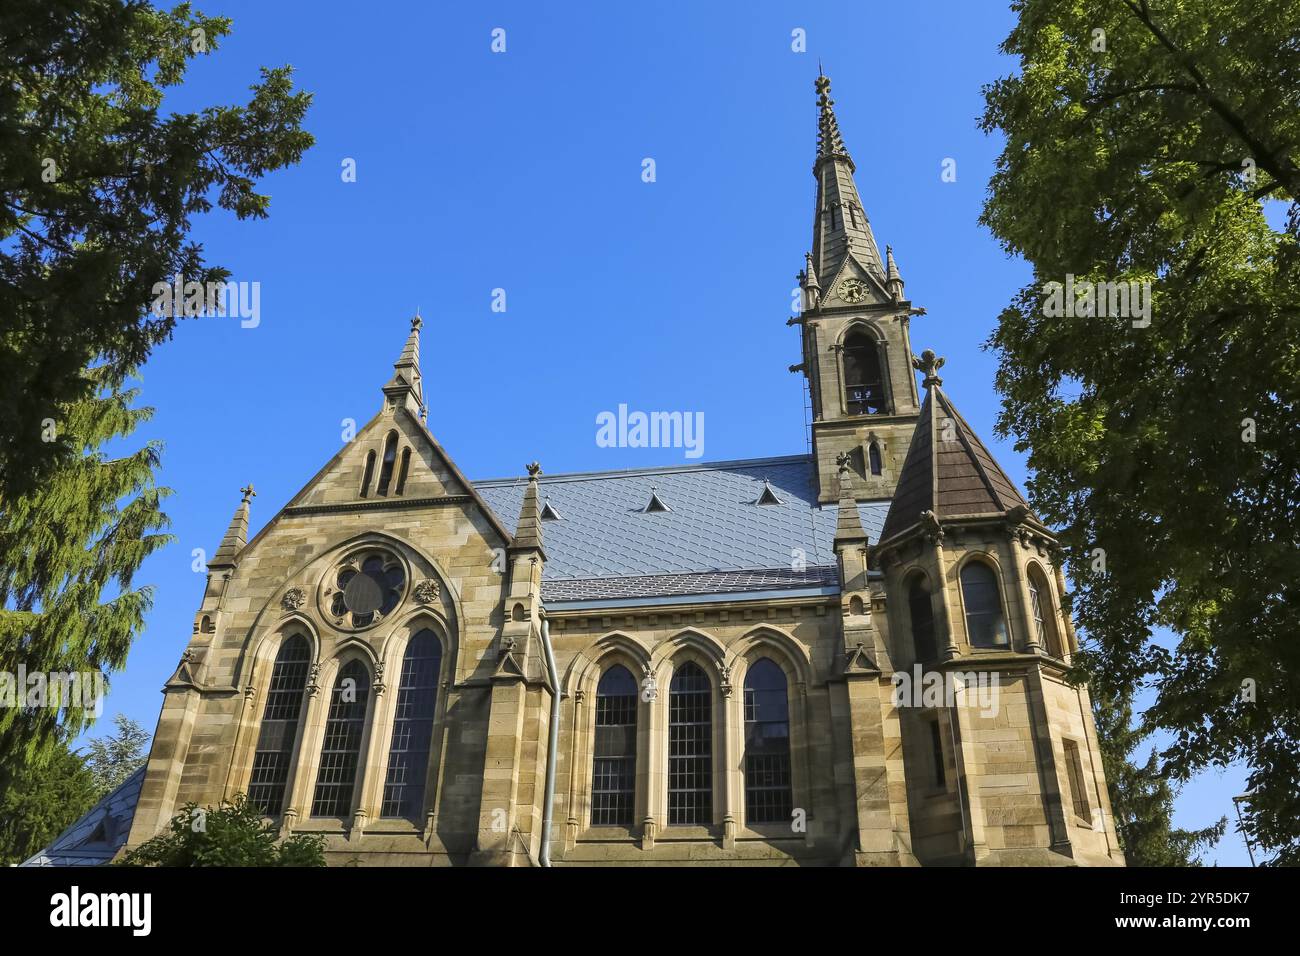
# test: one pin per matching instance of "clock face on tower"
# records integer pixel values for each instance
(852, 291)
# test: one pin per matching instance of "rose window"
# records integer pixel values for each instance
(365, 590)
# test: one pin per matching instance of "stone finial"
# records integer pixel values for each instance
(843, 463)
(929, 365)
(237, 534)
(528, 531)
(848, 522)
(829, 141)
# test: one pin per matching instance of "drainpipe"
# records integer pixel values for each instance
(552, 745)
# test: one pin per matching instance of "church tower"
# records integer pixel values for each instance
(856, 344)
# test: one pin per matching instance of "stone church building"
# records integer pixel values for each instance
(855, 656)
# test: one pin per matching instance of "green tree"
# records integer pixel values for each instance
(232, 834)
(1141, 141)
(1142, 797)
(44, 797)
(69, 552)
(100, 185)
(112, 759)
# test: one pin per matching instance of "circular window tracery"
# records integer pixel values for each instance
(364, 589)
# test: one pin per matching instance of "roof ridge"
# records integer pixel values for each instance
(783, 569)
(651, 470)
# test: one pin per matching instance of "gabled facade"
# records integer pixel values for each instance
(851, 657)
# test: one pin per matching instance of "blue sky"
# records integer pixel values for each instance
(521, 171)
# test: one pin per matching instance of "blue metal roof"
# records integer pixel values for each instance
(99, 833)
(713, 524)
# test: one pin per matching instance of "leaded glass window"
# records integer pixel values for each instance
(985, 625)
(690, 747)
(341, 749)
(1044, 622)
(280, 717)
(921, 611)
(768, 797)
(408, 754)
(613, 771)
(367, 588)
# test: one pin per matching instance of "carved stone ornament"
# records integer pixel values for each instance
(293, 599)
(427, 591)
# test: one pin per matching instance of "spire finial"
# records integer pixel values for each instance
(248, 493)
(534, 469)
(416, 321)
(928, 364)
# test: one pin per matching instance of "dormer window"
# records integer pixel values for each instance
(548, 512)
(655, 504)
(864, 385)
(768, 496)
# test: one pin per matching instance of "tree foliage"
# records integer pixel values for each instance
(41, 799)
(112, 759)
(69, 552)
(232, 834)
(100, 185)
(1142, 797)
(1141, 140)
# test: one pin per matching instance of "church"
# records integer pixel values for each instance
(851, 657)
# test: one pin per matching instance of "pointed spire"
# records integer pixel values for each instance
(848, 522)
(236, 535)
(948, 472)
(893, 281)
(528, 533)
(406, 378)
(840, 226)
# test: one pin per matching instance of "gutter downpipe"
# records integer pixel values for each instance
(553, 743)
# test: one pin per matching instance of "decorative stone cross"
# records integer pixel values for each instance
(248, 492)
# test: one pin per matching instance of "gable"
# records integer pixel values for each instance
(430, 474)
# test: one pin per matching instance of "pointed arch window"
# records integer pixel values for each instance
(408, 752)
(921, 610)
(386, 466)
(1041, 610)
(401, 472)
(340, 751)
(370, 473)
(690, 747)
(280, 718)
(864, 385)
(985, 624)
(873, 456)
(768, 797)
(613, 769)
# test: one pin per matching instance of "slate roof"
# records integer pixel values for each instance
(948, 471)
(99, 833)
(605, 546)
